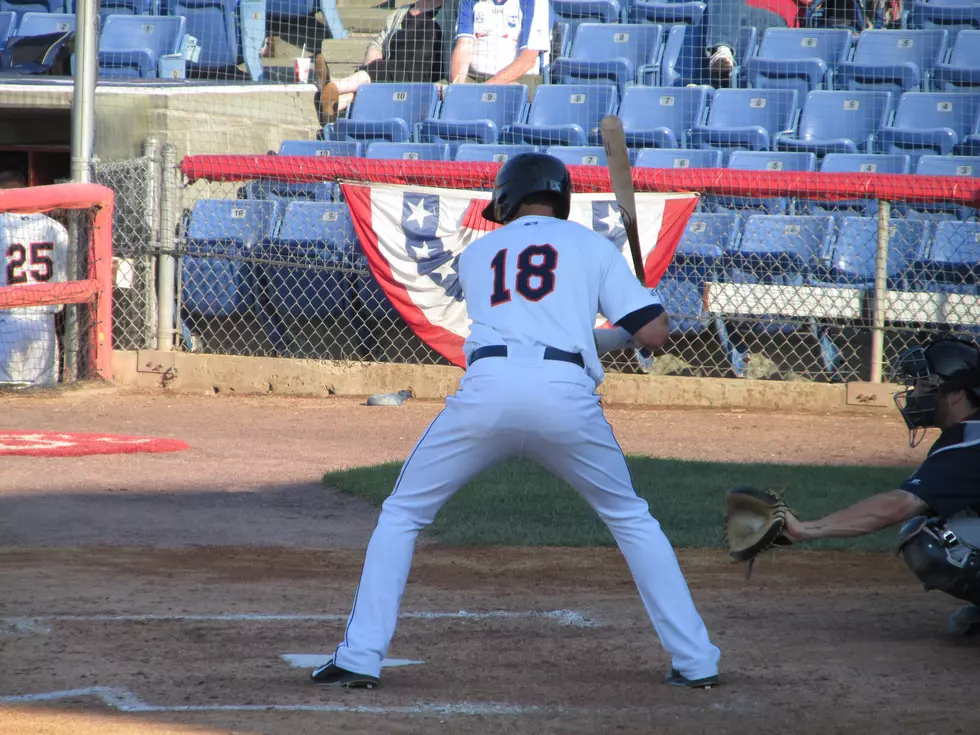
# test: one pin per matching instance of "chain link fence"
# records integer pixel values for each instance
(760, 287)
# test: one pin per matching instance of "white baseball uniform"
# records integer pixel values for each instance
(33, 249)
(536, 283)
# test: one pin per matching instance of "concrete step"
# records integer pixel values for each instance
(348, 51)
(363, 20)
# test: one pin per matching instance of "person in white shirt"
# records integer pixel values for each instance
(33, 249)
(498, 42)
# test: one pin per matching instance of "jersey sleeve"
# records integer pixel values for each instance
(948, 482)
(620, 292)
(59, 236)
(464, 19)
(535, 25)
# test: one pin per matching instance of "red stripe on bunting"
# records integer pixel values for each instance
(441, 340)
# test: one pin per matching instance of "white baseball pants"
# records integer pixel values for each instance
(547, 411)
(28, 348)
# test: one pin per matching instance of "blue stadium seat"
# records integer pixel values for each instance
(668, 12)
(854, 254)
(700, 251)
(777, 250)
(618, 53)
(839, 122)
(494, 153)
(579, 155)
(893, 61)
(684, 61)
(659, 117)
(587, 11)
(342, 149)
(326, 191)
(945, 166)
(865, 163)
(387, 112)
(291, 8)
(800, 59)
(951, 16)
(971, 144)
(747, 118)
(228, 32)
(564, 114)
(384, 150)
(229, 229)
(475, 113)
(761, 161)
(931, 122)
(962, 71)
(8, 24)
(707, 238)
(953, 262)
(132, 45)
(33, 6)
(782, 250)
(123, 7)
(948, 166)
(667, 158)
(38, 24)
(308, 270)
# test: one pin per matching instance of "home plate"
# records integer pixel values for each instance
(312, 660)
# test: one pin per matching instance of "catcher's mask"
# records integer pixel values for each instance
(942, 366)
(526, 175)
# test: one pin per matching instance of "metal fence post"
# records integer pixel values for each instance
(166, 260)
(881, 284)
(152, 208)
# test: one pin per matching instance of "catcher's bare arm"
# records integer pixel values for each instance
(866, 516)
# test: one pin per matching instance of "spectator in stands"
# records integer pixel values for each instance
(408, 49)
(726, 17)
(500, 41)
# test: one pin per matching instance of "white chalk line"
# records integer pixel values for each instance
(41, 623)
(124, 700)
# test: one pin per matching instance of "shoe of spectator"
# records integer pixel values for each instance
(722, 62)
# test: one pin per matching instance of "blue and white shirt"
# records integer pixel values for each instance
(504, 28)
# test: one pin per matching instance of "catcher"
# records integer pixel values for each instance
(939, 503)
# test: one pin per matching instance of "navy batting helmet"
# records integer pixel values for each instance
(523, 176)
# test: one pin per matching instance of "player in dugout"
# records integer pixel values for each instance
(939, 503)
(33, 249)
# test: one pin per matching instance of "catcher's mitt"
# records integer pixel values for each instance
(754, 522)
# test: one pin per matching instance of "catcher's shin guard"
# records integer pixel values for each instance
(939, 560)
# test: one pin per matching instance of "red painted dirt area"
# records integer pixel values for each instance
(74, 444)
(157, 593)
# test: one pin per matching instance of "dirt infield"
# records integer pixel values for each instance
(158, 593)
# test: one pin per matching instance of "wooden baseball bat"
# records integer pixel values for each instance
(618, 162)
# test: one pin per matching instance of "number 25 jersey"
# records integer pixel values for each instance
(33, 249)
(539, 282)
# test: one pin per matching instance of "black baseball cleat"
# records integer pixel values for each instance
(333, 676)
(677, 679)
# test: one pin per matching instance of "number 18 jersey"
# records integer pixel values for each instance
(33, 249)
(539, 282)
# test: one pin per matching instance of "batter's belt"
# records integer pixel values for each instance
(550, 353)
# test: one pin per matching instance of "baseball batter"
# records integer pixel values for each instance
(532, 288)
(940, 542)
(33, 249)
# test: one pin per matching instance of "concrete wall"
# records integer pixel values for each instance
(191, 373)
(197, 118)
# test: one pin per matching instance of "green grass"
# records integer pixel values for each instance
(520, 504)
